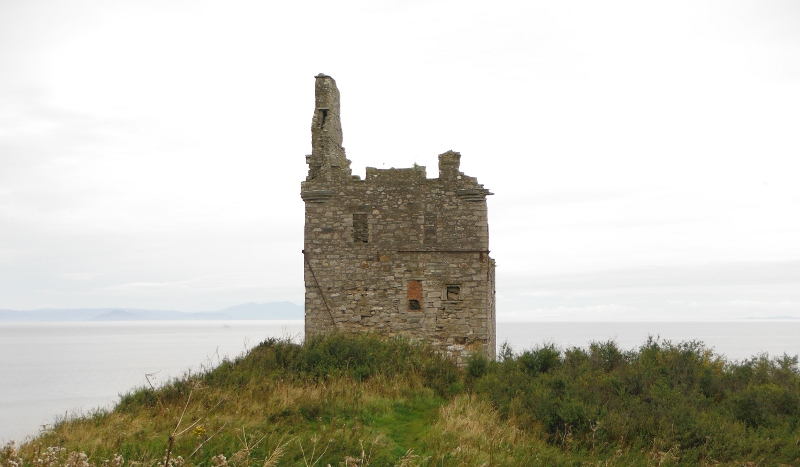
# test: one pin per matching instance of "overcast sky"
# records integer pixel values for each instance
(644, 155)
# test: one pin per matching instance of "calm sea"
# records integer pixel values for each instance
(49, 370)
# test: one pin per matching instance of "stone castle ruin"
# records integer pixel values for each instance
(397, 253)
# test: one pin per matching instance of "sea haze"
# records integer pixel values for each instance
(53, 369)
(247, 311)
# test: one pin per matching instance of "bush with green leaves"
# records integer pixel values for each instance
(677, 398)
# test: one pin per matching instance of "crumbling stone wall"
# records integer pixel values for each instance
(397, 253)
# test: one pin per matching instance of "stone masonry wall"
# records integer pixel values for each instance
(397, 253)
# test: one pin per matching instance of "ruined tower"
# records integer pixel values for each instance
(397, 253)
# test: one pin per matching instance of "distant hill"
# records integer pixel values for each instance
(274, 310)
(247, 311)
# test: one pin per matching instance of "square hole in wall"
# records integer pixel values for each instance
(453, 292)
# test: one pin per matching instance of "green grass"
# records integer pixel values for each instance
(361, 400)
(408, 422)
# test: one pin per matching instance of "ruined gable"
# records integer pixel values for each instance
(397, 253)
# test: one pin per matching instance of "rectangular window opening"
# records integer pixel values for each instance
(414, 295)
(429, 228)
(360, 228)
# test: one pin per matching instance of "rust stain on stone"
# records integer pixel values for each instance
(415, 290)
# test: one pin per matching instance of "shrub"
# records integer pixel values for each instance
(676, 398)
(540, 360)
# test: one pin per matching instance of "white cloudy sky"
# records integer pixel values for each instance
(644, 155)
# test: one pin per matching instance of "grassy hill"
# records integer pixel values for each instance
(360, 400)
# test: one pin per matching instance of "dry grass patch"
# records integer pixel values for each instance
(470, 432)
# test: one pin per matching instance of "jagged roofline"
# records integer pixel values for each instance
(327, 158)
(397, 253)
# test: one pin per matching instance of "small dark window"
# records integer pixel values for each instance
(413, 305)
(429, 231)
(323, 114)
(360, 228)
(453, 292)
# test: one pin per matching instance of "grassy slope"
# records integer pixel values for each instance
(360, 400)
